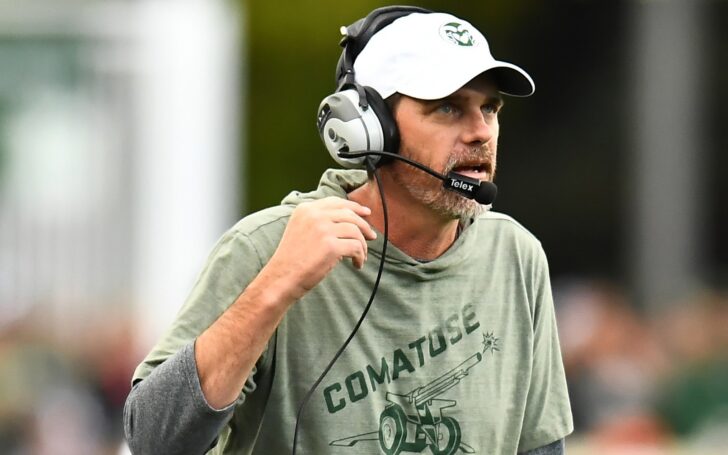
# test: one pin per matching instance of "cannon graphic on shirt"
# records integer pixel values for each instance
(419, 415)
(414, 421)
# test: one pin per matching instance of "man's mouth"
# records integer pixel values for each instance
(479, 170)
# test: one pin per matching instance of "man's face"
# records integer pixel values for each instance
(457, 133)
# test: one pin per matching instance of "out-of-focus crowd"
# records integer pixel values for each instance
(645, 382)
(639, 383)
(64, 396)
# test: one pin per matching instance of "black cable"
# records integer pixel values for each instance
(393, 155)
(371, 168)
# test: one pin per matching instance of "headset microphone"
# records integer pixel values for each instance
(483, 192)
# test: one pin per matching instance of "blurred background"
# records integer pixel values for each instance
(133, 133)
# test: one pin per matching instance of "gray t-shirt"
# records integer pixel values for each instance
(459, 353)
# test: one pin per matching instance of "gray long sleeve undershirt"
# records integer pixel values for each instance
(167, 413)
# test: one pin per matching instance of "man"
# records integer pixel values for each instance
(459, 353)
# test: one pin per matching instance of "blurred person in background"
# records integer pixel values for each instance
(644, 384)
(613, 360)
(459, 354)
(51, 399)
(692, 401)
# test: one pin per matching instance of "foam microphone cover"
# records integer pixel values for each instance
(486, 193)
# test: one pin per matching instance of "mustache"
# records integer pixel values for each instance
(476, 154)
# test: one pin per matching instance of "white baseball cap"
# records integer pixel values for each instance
(430, 56)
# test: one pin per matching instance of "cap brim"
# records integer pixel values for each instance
(512, 80)
(440, 83)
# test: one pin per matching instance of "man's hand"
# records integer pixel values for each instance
(319, 234)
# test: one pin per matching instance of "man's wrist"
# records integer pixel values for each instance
(276, 287)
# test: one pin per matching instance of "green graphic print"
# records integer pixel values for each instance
(417, 420)
(458, 34)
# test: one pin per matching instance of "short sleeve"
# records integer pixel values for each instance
(548, 411)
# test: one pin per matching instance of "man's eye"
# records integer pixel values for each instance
(491, 108)
(446, 108)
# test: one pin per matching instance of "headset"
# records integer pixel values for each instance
(355, 118)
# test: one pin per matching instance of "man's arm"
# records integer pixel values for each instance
(318, 235)
(548, 410)
(168, 400)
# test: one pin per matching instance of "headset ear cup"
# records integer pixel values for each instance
(345, 126)
(386, 120)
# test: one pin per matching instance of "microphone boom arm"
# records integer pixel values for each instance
(483, 192)
(396, 156)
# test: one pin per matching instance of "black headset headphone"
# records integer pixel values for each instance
(355, 118)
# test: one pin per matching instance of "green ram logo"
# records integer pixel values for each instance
(457, 33)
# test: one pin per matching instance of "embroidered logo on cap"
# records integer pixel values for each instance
(457, 33)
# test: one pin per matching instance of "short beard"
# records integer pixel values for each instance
(448, 204)
(430, 192)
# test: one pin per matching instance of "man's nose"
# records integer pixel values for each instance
(479, 128)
